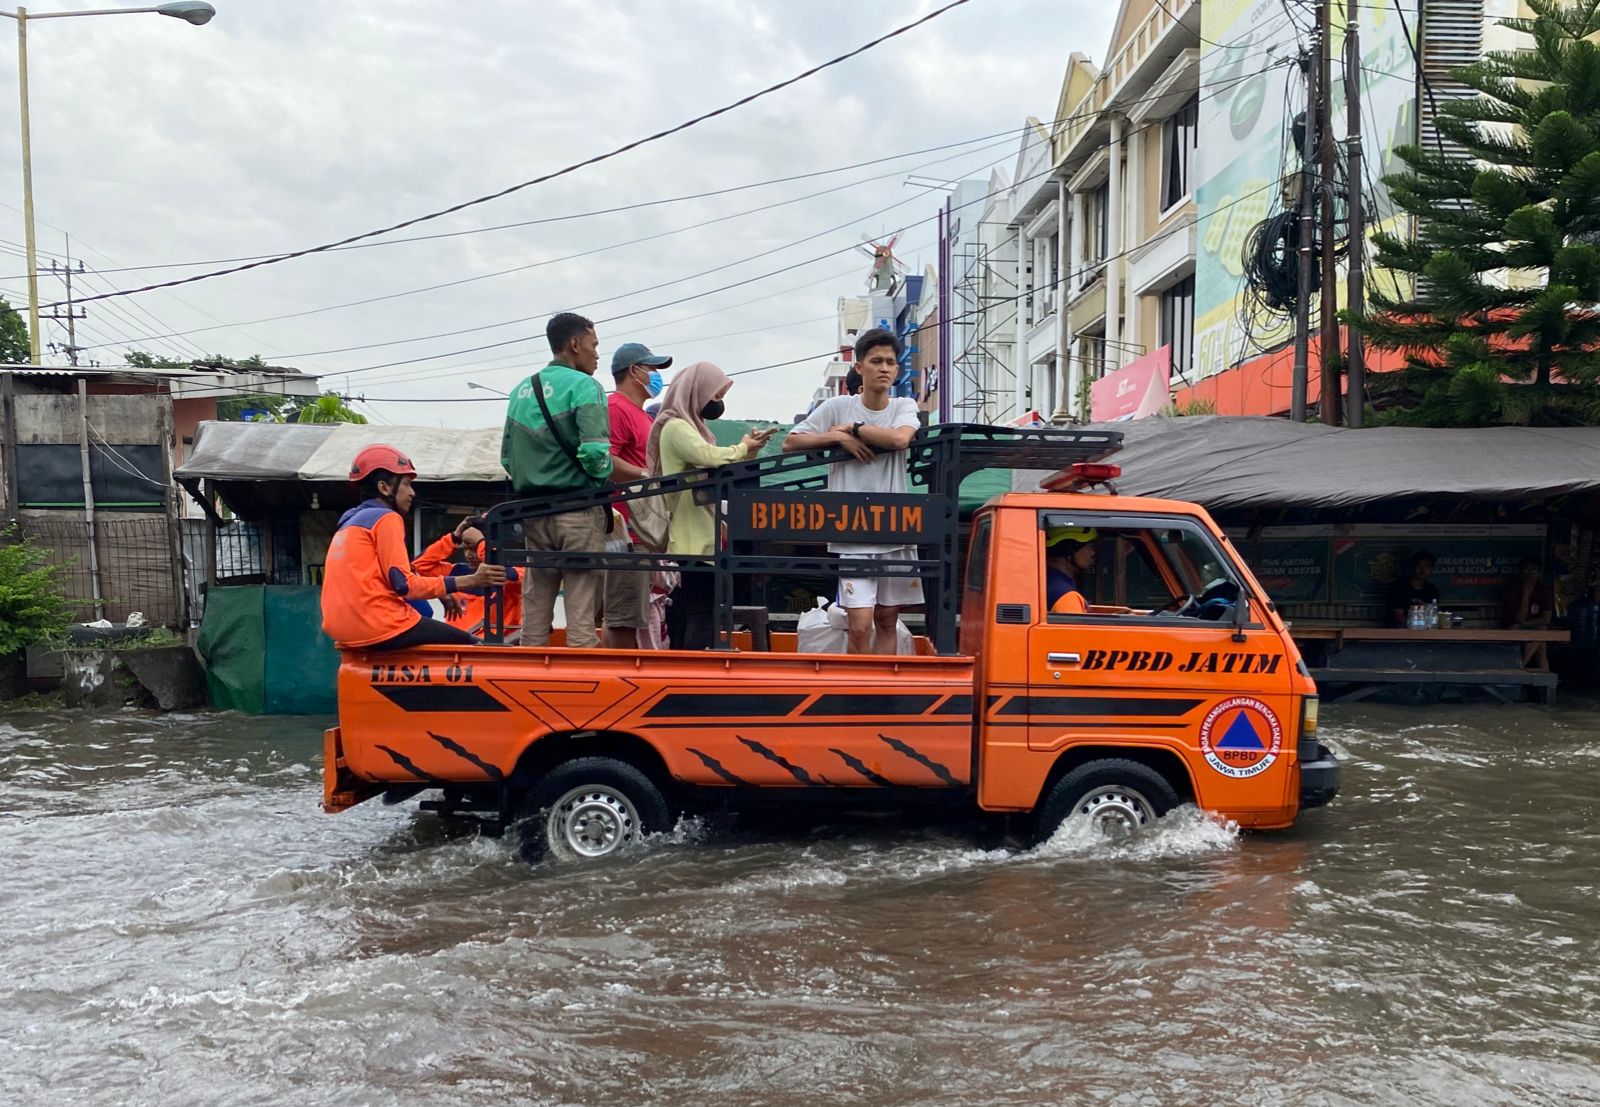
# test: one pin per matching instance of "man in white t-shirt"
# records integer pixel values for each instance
(875, 428)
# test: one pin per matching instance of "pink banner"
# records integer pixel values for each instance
(1138, 389)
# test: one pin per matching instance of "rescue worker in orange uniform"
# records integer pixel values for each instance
(460, 552)
(368, 581)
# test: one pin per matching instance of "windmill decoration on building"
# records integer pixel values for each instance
(886, 268)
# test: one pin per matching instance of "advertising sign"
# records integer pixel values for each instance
(1250, 95)
(1138, 389)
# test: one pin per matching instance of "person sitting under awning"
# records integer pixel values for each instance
(368, 581)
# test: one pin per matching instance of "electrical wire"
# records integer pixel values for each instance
(565, 170)
(975, 312)
(714, 291)
(569, 257)
(1049, 171)
(1222, 86)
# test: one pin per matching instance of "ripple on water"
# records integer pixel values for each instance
(183, 925)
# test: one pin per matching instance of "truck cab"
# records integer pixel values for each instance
(1175, 662)
(1167, 676)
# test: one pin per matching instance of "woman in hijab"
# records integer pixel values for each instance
(680, 441)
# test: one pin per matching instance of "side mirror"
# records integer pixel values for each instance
(1241, 615)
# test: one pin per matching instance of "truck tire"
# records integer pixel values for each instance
(589, 808)
(1120, 797)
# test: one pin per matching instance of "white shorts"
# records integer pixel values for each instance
(881, 591)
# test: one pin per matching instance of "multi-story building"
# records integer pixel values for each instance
(1124, 146)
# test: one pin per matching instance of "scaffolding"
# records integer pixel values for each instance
(984, 303)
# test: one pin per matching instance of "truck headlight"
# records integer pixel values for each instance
(1308, 729)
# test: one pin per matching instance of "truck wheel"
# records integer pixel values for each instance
(590, 808)
(1119, 798)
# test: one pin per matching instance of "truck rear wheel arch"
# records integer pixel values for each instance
(561, 746)
(1164, 761)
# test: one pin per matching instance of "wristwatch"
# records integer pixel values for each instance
(855, 429)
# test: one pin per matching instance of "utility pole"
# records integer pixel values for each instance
(1328, 346)
(1302, 302)
(72, 314)
(1358, 227)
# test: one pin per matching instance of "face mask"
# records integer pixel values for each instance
(655, 384)
(713, 410)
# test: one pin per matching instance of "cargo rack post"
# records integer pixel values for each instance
(784, 497)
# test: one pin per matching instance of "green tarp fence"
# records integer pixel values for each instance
(265, 653)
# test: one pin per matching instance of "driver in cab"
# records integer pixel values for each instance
(1069, 554)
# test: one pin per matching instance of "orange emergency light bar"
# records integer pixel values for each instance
(1083, 474)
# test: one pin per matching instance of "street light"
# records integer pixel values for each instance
(486, 388)
(190, 11)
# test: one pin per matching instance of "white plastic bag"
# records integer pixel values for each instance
(823, 629)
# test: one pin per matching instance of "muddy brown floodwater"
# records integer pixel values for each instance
(181, 925)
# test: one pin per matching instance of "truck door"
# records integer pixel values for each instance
(1150, 653)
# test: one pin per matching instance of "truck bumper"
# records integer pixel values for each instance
(341, 789)
(1319, 778)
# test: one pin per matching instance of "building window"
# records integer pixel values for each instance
(1177, 325)
(1180, 139)
(1092, 356)
(1099, 207)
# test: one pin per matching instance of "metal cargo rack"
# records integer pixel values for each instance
(779, 488)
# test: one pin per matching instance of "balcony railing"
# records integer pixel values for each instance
(1082, 116)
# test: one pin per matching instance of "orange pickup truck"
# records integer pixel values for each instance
(1174, 682)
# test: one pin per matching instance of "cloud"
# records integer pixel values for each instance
(286, 124)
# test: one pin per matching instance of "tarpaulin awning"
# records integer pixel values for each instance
(1224, 462)
(252, 451)
(323, 451)
(439, 453)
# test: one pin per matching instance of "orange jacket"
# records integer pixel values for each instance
(368, 579)
(438, 560)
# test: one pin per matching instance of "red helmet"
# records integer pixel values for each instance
(377, 457)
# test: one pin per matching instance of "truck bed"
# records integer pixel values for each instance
(439, 715)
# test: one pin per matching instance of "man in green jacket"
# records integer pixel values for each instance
(571, 449)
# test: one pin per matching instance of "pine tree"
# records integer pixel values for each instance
(1479, 351)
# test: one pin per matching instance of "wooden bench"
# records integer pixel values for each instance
(1361, 660)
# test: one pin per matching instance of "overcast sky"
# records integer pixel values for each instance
(287, 123)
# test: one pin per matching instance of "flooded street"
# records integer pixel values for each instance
(182, 925)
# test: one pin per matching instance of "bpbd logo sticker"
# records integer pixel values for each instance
(1241, 737)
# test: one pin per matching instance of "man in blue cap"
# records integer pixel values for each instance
(637, 373)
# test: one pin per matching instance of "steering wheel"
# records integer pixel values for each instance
(1181, 607)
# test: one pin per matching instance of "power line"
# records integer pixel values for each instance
(973, 313)
(566, 257)
(797, 265)
(1007, 135)
(572, 168)
(530, 318)
(1216, 90)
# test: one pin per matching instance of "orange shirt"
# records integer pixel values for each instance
(438, 560)
(368, 579)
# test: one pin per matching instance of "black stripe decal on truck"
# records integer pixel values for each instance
(922, 759)
(1058, 707)
(717, 767)
(439, 697)
(853, 704)
(723, 705)
(860, 766)
(405, 763)
(777, 759)
(467, 755)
